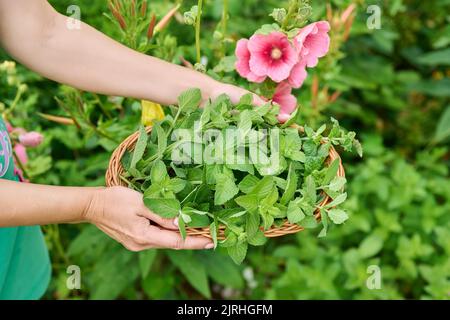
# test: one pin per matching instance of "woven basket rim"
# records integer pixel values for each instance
(115, 170)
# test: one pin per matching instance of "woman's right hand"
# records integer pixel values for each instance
(120, 213)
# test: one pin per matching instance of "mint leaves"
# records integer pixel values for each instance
(235, 166)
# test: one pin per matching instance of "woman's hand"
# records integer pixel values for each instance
(235, 93)
(120, 213)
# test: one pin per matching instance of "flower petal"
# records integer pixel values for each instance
(298, 75)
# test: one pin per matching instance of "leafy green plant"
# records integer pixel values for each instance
(289, 181)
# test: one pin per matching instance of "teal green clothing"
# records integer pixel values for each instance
(24, 261)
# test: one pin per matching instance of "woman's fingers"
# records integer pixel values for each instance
(170, 224)
(160, 238)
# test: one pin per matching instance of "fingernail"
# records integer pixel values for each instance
(209, 246)
(175, 222)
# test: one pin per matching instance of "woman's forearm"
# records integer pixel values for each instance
(85, 58)
(32, 204)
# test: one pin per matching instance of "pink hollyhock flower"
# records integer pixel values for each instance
(21, 153)
(31, 139)
(286, 100)
(271, 55)
(313, 42)
(243, 62)
(298, 75)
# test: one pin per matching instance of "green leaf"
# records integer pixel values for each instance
(264, 187)
(292, 180)
(213, 232)
(226, 189)
(249, 202)
(238, 252)
(443, 128)
(192, 268)
(177, 184)
(139, 149)
(310, 189)
(146, 259)
(189, 100)
(435, 58)
(244, 123)
(222, 270)
(309, 222)
(294, 213)
(252, 223)
(182, 227)
(166, 208)
(338, 200)
(324, 219)
(258, 239)
(338, 216)
(158, 172)
(370, 246)
(268, 28)
(248, 183)
(331, 172)
(246, 99)
(162, 139)
(337, 184)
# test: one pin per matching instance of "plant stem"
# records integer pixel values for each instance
(197, 29)
(224, 25)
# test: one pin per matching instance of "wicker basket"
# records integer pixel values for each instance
(115, 170)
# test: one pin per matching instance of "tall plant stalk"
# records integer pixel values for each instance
(197, 29)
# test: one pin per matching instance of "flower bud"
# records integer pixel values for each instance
(278, 14)
(31, 139)
(217, 35)
(200, 67)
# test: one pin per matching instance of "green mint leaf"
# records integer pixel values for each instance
(337, 184)
(182, 228)
(238, 252)
(177, 185)
(338, 200)
(158, 172)
(338, 216)
(246, 99)
(226, 189)
(248, 183)
(294, 213)
(166, 208)
(309, 222)
(263, 188)
(244, 123)
(291, 186)
(324, 219)
(213, 232)
(268, 220)
(331, 172)
(310, 189)
(252, 223)
(249, 202)
(162, 139)
(258, 239)
(189, 100)
(139, 149)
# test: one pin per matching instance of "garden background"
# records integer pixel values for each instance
(389, 84)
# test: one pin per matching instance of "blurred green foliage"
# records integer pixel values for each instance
(391, 85)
